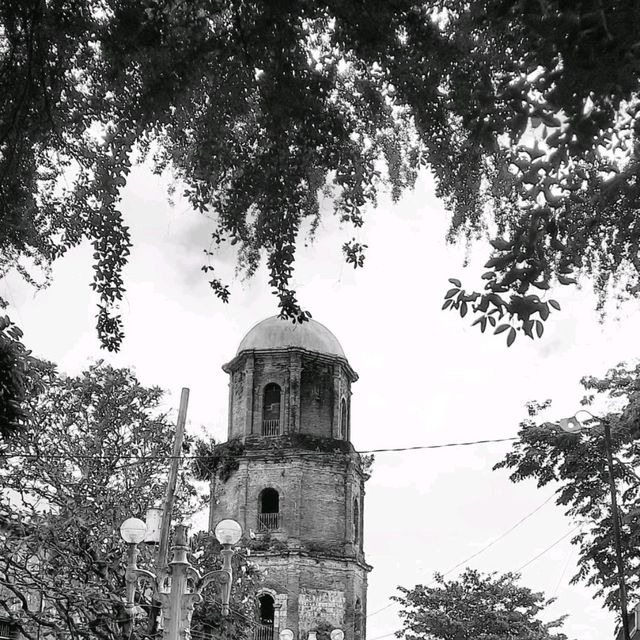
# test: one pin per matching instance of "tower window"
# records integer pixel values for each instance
(356, 521)
(343, 419)
(269, 516)
(271, 410)
(264, 628)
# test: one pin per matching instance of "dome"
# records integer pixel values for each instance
(275, 333)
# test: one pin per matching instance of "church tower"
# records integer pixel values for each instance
(296, 484)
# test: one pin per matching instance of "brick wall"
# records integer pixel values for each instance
(315, 592)
(313, 566)
(312, 388)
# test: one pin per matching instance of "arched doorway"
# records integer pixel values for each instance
(266, 615)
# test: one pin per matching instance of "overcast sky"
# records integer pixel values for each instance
(426, 377)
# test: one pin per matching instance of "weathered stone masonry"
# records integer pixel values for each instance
(298, 490)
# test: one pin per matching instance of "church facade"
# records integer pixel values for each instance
(297, 484)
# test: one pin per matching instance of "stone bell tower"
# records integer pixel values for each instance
(296, 484)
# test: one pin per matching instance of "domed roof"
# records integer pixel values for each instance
(274, 333)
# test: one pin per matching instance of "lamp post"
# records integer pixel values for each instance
(178, 601)
(573, 425)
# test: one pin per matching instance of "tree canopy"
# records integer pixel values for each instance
(475, 606)
(21, 377)
(96, 452)
(577, 464)
(525, 112)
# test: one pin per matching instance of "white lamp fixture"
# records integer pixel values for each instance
(286, 634)
(133, 530)
(228, 531)
(337, 634)
(154, 524)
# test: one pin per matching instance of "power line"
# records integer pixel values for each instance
(38, 456)
(386, 635)
(477, 553)
(501, 536)
(558, 541)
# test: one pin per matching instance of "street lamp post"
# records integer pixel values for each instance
(616, 532)
(186, 583)
(573, 425)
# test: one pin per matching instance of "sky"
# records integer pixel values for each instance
(426, 377)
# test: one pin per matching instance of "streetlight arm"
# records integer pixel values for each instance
(223, 577)
(132, 575)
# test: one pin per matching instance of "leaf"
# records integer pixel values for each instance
(463, 309)
(446, 304)
(541, 284)
(456, 282)
(451, 293)
(511, 337)
(527, 327)
(539, 328)
(501, 328)
(501, 244)
(564, 280)
(554, 304)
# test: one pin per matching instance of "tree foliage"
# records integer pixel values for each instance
(95, 453)
(21, 377)
(525, 112)
(577, 464)
(476, 606)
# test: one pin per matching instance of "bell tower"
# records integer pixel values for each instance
(296, 484)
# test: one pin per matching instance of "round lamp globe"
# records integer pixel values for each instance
(133, 530)
(228, 531)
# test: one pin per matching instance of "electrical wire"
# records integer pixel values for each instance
(201, 457)
(500, 537)
(558, 541)
(477, 553)
(526, 564)
(386, 635)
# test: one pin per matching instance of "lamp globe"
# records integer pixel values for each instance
(133, 530)
(228, 531)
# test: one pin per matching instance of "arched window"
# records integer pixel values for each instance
(271, 410)
(264, 628)
(356, 521)
(269, 510)
(357, 620)
(343, 419)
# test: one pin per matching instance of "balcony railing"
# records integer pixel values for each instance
(271, 427)
(7, 629)
(268, 521)
(263, 631)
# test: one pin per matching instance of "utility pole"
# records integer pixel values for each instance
(616, 532)
(169, 499)
(573, 425)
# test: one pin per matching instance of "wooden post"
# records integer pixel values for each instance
(167, 507)
(161, 560)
